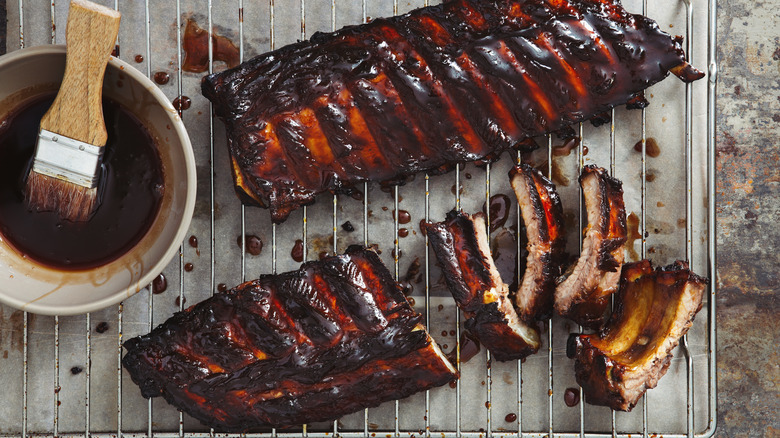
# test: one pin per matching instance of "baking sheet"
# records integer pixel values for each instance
(102, 400)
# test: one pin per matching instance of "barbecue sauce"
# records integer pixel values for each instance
(130, 192)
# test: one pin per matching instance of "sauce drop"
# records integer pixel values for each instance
(348, 227)
(571, 397)
(510, 418)
(403, 217)
(182, 103)
(130, 193)
(189, 267)
(139, 58)
(254, 245)
(193, 241)
(297, 251)
(159, 284)
(222, 287)
(162, 77)
(403, 232)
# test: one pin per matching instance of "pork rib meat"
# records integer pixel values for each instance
(654, 308)
(424, 91)
(583, 296)
(311, 345)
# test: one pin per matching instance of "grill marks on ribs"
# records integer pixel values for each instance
(310, 345)
(542, 214)
(583, 296)
(653, 310)
(463, 252)
(425, 91)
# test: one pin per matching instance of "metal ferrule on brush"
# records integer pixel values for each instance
(67, 159)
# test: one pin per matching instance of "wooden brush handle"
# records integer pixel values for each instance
(77, 111)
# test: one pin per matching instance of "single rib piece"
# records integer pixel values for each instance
(583, 296)
(542, 213)
(461, 246)
(424, 91)
(311, 345)
(653, 310)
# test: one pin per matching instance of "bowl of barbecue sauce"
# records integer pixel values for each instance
(146, 194)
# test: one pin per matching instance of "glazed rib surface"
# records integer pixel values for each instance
(311, 345)
(583, 296)
(424, 91)
(654, 308)
(461, 246)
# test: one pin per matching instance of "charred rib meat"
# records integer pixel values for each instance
(542, 214)
(461, 247)
(653, 310)
(311, 345)
(583, 296)
(442, 85)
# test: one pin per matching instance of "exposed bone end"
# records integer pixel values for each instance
(654, 309)
(687, 72)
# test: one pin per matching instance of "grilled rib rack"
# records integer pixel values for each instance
(62, 375)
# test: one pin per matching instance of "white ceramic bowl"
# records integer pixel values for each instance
(35, 288)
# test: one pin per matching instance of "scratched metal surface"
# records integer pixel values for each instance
(102, 400)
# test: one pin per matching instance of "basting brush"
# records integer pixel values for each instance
(65, 173)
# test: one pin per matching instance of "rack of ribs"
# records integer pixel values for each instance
(425, 91)
(653, 310)
(461, 246)
(331, 338)
(584, 295)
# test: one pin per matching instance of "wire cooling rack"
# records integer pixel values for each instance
(62, 375)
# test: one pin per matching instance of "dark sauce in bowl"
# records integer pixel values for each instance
(130, 192)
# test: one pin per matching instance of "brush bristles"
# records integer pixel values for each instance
(70, 201)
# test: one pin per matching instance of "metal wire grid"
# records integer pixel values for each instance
(427, 431)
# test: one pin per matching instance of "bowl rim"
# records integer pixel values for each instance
(189, 205)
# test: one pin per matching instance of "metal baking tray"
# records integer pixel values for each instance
(672, 195)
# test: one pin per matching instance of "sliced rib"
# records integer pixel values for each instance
(653, 310)
(583, 296)
(331, 338)
(461, 246)
(542, 214)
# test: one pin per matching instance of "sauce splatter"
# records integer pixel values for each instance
(632, 224)
(102, 327)
(499, 210)
(196, 49)
(651, 147)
